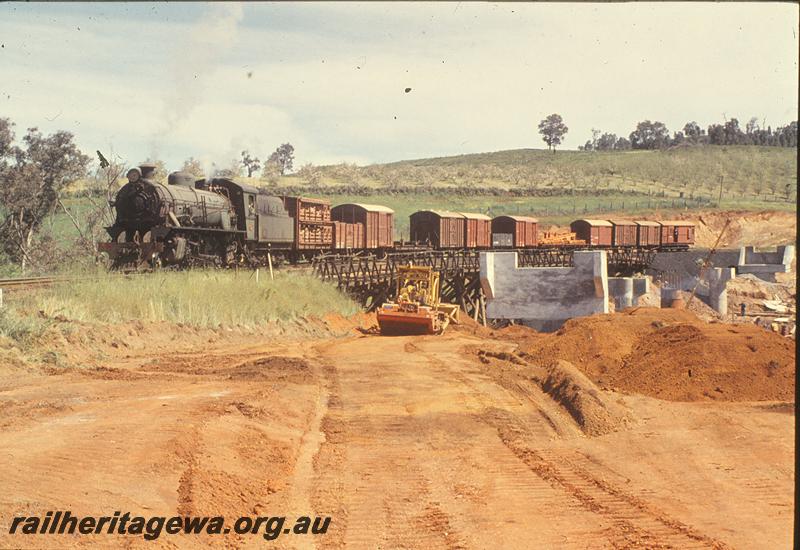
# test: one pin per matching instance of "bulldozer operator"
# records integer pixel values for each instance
(410, 294)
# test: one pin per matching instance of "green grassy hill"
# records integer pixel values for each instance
(746, 172)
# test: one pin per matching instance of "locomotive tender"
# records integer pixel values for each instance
(219, 222)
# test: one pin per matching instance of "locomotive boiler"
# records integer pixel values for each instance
(190, 221)
(143, 204)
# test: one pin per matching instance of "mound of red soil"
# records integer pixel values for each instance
(671, 354)
(595, 413)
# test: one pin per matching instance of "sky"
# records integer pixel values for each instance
(174, 80)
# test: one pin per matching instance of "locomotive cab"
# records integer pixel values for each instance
(263, 217)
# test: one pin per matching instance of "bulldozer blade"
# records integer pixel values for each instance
(401, 324)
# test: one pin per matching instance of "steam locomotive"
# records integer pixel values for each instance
(215, 222)
(219, 222)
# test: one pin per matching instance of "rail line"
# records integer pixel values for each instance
(20, 283)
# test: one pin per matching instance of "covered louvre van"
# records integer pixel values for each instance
(623, 233)
(477, 230)
(348, 235)
(594, 232)
(439, 228)
(378, 222)
(648, 233)
(515, 231)
(677, 233)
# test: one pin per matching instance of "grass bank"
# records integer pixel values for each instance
(203, 299)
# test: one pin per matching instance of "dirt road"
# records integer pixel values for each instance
(404, 442)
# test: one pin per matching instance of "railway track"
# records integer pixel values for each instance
(20, 283)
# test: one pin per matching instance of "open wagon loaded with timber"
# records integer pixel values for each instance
(416, 308)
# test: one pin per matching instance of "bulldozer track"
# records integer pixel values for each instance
(634, 522)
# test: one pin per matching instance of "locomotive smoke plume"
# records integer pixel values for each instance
(194, 60)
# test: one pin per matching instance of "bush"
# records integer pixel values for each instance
(21, 328)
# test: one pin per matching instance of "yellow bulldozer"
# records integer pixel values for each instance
(416, 308)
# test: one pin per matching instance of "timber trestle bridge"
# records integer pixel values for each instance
(370, 279)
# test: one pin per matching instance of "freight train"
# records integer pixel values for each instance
(193, 221)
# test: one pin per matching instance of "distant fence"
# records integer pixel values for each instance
(610, 206)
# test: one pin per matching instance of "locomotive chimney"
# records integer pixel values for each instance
(147, 170)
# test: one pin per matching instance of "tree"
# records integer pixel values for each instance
(595, 136)
(99, 193)
(251, 164)
(692, 131)
(553, 129)
(606, 142)
(733, 134)
(752, 126)
(283, 157)
(271, 173)
(623, 144)
(788, 135)
(193, 166)
(33, 178)
(649, 135)
(716, 134)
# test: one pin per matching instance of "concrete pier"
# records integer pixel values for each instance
(718, 278)
(544, 297)
(626, 291)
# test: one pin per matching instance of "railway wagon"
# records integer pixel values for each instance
(477, 230)
(623, 233)
(677, 233)
(312, 222)
(648, 233)
(593, 232)
(515, 231)
(347, 236)
(440, 228)
(377, 223)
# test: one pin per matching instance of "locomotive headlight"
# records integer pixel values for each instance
(134, 174)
